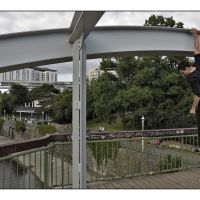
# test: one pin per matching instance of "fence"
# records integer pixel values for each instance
(51, 166)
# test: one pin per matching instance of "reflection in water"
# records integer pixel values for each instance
(15, 176)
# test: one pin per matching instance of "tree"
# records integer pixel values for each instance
(148, 85)
(18, 94)
(5, 103)
(126, 68)
(44, 95)
(107, 64)
(90, 99)
(162, 21)
(106, 87)
(62, 107)
(155, 90)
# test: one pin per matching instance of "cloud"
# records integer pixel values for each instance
(133, 18)
(28, 21)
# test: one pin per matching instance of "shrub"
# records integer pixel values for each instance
(1, 124)
(20, 127)
(45, 129)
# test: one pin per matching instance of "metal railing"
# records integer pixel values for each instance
(125, 157)
(51, 166)
(44, 167)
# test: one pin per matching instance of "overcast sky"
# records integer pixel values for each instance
(27, 21)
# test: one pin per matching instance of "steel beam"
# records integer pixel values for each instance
(83, 23)
(36, 48)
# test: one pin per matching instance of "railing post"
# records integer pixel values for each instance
(46, 169)
(142, 144)
(129, 159)
(182, 143)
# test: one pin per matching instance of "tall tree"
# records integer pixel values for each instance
(154, 88)
(18, 94)
(159, 20)
(106, 88)
(62, 107)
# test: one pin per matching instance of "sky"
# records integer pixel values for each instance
(20, 21)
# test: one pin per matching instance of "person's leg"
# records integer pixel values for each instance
(198, 124)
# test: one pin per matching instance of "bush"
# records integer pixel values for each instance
(20, 127)
(45, 129)
(1, 124)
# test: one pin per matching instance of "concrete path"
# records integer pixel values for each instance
(6, 140)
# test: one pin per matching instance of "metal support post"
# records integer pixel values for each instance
(83, 116)
(46, 169)
(75, 117)
(79, 115)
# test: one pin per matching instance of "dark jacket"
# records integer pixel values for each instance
(194, 77)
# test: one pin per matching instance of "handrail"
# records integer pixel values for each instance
(7, 149)
(31, 144)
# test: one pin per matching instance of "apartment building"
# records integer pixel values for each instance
(95, 72)
(36, 74)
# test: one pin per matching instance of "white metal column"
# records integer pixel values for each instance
(83, 154)
(75, 117)
(79, 114)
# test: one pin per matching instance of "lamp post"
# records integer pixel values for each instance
(42, 117)
(142, 119)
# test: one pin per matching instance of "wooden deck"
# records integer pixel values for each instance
(187, 179)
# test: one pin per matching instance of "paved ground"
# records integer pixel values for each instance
(5, 140)
(188, 179)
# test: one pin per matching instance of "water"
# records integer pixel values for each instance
(14, 176)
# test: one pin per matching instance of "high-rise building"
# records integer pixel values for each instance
(95, 72)
(36, 74)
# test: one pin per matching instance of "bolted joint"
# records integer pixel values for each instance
(79, 44)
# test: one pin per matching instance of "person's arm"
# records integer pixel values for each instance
(196, 41)
(194, 104)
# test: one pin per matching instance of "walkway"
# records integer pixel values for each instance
(188, 179)
(6, 140)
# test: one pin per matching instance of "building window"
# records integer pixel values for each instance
(47, 77)
(27, 75)
(32, 76)
(37, 76)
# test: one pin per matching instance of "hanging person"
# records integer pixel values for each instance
(193, 75)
